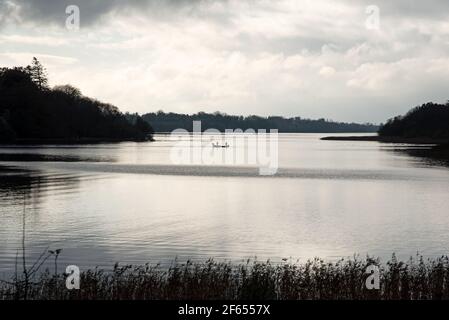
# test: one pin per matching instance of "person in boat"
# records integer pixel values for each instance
(217, 145)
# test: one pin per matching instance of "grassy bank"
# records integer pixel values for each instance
(314, 279)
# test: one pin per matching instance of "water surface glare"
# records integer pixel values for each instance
(129, 203)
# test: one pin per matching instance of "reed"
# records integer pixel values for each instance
(416, 279)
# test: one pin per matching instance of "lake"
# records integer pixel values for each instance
(129, 203)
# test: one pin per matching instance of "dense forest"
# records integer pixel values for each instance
(431, 120)
(31, 110)
(167, 122)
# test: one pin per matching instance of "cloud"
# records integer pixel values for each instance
(92, 11)
(327, 71)
(28, 40)
(432, 9)
(287, 57)
(24, 58)
(9, 12)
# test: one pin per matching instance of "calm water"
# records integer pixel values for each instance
(128, 203)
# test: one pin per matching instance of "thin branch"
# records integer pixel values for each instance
(40, 265)
(38, 259)
(25, 271)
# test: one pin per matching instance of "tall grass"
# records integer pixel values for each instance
(313, 279)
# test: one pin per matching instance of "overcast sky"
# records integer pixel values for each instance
(317, 58)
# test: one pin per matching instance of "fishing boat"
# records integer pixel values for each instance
(219, 145)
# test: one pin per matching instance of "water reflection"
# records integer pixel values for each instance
(17, 183)
(420, 156)
(128, 203)
(37, 157)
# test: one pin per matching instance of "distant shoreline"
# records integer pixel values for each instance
(387, 139)
(68, 141)
(439, 147)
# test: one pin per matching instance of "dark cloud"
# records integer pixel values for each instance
(6, 12)
(408, 8)
(54, 11)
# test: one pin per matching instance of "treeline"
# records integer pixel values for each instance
(167, 122)
(30, 110)
(431, 120)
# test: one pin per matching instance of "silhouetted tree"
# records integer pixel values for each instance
(28, 110)
(69, 90)
(166, 122)
(143, 126)
(6, 132)
(16, 77)
(431, 120)
(38, 74)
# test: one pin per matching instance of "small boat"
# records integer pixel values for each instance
(218, 145)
